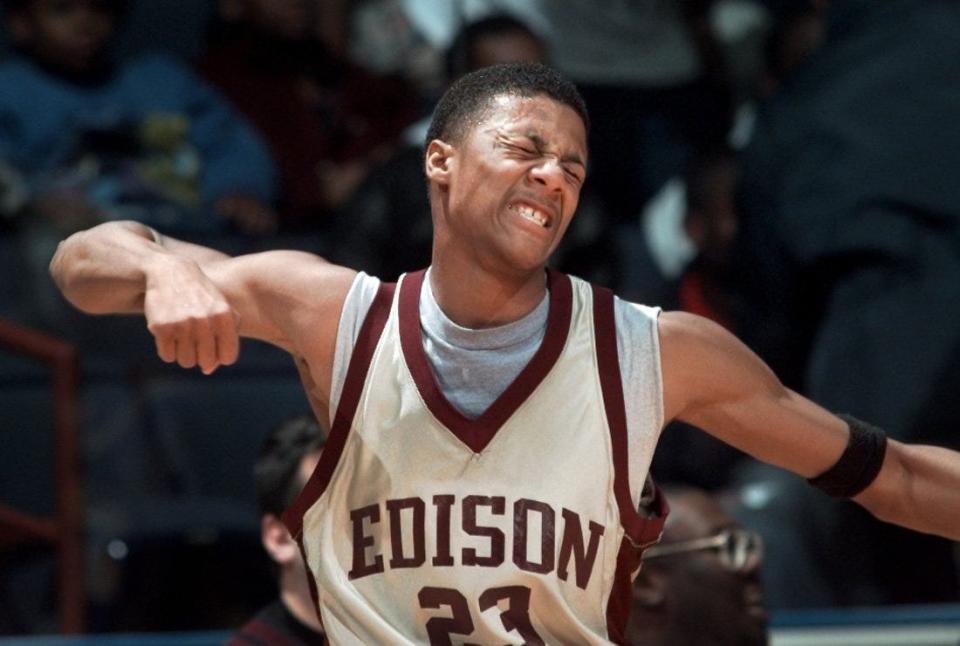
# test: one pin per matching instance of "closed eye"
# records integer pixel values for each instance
(573, 176)
(527, 150)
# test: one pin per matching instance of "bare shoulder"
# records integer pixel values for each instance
(703, 363)
(688, 338)
(683, 326)
(293, 300)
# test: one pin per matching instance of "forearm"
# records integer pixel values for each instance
(104, 270)
(919, 488)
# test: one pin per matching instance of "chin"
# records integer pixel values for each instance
(530, 269)
(521, 263)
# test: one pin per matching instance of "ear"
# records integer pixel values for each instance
(277, 540)
(440, 160)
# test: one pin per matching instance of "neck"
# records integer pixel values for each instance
(295, 595)
(474, 298)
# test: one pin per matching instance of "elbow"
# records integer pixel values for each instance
(57, 267)
(64, 272)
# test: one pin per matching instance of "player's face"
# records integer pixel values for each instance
(514, 182)
(68, 34)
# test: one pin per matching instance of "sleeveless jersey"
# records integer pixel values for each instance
(420, 525)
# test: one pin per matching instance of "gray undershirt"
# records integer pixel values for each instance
(462, 358)
(474, 367)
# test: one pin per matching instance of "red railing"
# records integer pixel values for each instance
(65, 529)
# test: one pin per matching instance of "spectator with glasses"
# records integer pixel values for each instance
(700, 584)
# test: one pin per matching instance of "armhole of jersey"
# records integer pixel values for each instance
(640, 530)
(355, 308)
(638, 351)
(629, 558)
(363, 350)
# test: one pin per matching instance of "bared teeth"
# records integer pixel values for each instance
(532, 214)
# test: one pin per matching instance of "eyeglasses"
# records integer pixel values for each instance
(738, 549)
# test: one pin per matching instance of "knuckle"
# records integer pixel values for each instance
(158, 328)
(201, 323)
(225, 315)
(178, 327)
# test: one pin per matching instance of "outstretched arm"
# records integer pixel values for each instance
(711, 380)
(198, 302)
(104, 270)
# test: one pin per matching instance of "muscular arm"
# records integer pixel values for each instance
(711, 380)
(104, 270)
(198, 302)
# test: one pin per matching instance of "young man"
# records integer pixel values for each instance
(492, 421)
(287, 458)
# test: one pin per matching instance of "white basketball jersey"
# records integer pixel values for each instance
(423, 526)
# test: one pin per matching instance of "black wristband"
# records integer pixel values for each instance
(860, 463)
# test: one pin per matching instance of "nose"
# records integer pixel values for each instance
(549, 173)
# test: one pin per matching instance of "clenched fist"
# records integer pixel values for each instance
(189, 316)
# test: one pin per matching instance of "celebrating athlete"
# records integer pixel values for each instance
(493, 421)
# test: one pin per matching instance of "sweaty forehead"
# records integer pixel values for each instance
(550, 121)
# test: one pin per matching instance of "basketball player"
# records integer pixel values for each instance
(492, 421)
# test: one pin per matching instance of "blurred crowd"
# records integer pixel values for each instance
(784, 167)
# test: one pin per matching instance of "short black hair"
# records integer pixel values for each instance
(470, 96)
(277, 466)
(459, 58)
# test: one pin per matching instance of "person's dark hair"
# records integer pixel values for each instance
(470, 97)
(459, 58)
(278, 463)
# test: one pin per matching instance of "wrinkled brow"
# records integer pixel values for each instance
(541, 144)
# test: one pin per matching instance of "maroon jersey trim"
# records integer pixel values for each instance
(366, 344)
(477, 433)
(621, 594)
(641, 531)
(629, 558)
